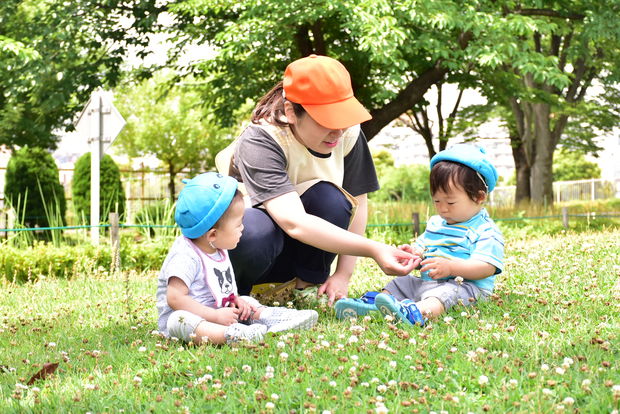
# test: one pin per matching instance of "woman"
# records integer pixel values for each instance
(306, 167)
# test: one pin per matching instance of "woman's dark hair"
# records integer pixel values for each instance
(446, 174)
(271, 107)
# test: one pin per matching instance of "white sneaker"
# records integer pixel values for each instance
(283, 319)
(239, 332)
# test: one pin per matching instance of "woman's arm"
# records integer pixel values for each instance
(290, 215)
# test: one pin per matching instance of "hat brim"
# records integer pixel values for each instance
(339, 115)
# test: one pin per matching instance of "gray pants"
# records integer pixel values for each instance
(447, 291)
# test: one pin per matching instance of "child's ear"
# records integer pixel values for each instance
(210, 235)
(482, 196)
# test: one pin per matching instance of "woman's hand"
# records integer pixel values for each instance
(226, 316)
(394, 261)
(336, 287)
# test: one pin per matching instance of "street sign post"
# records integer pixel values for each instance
(100, 122)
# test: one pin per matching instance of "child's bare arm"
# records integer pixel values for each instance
(472, 269)
(178, 298)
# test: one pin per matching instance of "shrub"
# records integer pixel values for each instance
(32, 187)
(159, 213)
(111, 193)
(404, 183)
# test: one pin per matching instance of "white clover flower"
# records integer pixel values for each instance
(353, 339)
(389, 318)
(458, 280)
(325, 343)
(137, 380)
(246, 368)
(142, 349)
(448, 319)
(354, 357)
(544, 367)
(586, 383)
(483, 380)
(367, 318)
(51, 345)
(90, 386)
(547, 391)
(496, 336)
(35, 389)
(332, 384)
(560, 371)
(453, 349)
(568, 362)
(615, 390)
(275, 397)
(283, 356)
(270, 406)
(568, 401)
(513, 383)
(392, 364)
(365, 384)
(381, 409)
(374, 380)
(392, 383)
(280, 344)
(381, 388)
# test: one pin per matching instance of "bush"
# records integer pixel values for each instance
(405, 183)
(44, 259)
(111, 193)
(33, 189)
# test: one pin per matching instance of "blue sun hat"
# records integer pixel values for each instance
(472, 156)
(202, 202)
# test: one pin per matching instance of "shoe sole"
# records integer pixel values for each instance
(307, 321)
(352, 309)
(388, 307)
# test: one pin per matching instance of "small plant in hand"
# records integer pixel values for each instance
(546, 342)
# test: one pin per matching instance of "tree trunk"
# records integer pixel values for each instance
(171, 187)
(406, 99)
(542, 168)
(523, 191)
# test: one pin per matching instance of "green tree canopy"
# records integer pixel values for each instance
(572, 165)
(169, 124)
(53, 54)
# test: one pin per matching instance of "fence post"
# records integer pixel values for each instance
(115, 242)
(415, 221)
(565, 217)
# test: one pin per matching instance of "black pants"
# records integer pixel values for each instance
(266, 253)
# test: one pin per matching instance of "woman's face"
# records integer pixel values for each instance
(312, 134)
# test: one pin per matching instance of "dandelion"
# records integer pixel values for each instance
(483, 380)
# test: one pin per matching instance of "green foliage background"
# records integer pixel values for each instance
(32, 186)
(111, 192)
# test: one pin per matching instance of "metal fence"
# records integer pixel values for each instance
(585, 190)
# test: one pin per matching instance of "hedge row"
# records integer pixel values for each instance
(42, 259)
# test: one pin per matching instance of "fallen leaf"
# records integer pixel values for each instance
(47, 370)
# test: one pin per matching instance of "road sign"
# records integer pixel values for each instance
(100, 123)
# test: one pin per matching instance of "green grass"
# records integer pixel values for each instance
(546, 342)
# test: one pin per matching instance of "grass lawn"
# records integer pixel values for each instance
(548, 341)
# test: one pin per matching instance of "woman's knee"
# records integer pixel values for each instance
(327, 201)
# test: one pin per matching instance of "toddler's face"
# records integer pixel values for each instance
(229, 231)
(455, 206)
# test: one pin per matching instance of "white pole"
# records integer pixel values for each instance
(95, 157)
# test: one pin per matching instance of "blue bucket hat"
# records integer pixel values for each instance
(202, 202)
(472, 156)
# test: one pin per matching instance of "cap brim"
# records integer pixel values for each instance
(339, 115)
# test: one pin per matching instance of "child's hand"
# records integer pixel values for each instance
(419, 255)
(438, 267)
(226, 316)
(245, 309)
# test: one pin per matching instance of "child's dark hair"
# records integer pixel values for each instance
(271, 107)
(238, 197)
(446, 174)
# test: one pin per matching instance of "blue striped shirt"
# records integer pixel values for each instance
(478, 238)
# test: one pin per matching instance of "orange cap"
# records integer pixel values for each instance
(322, 86)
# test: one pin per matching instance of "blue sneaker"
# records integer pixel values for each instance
(352, 307)
(405, 310)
